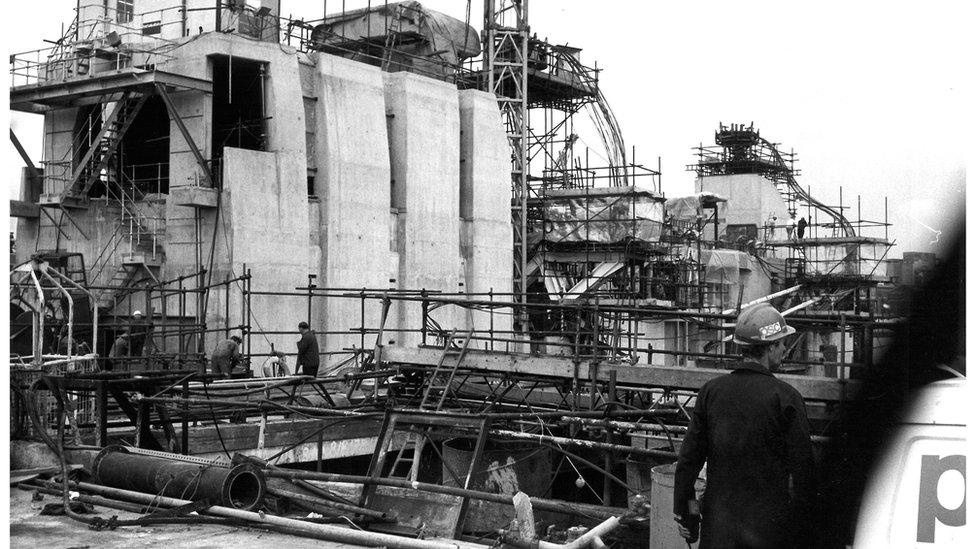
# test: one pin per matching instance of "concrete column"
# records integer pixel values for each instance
(485, 201)
(353, 185)
(424, 159)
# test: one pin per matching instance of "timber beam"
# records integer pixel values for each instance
(670, 377)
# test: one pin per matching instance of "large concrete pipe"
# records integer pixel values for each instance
(239, 487)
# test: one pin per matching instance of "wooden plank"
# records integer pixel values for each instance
(811, 388)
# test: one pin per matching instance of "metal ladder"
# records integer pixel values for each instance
(435, 393)
(104, 146)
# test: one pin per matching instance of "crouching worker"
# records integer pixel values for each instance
(226, 356)
(753, 430)
(274, 366)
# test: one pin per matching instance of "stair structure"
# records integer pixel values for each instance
(435, 393)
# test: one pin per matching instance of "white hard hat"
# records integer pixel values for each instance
(137, 313)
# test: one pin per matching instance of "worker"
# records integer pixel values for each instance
(307, 362)
(801, 227)
(791, 228)
(274, 366)
(139, 329)
(226, 356)
(119, 353)
(753, 431)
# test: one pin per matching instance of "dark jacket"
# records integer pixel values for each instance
(753, 430)
(308, 351)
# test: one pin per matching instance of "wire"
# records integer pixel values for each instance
(216, 427)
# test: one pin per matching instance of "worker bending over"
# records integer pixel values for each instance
(752, 429)
(226, 356)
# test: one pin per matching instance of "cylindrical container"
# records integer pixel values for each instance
(241, 486)
(505, 467)
(664, 530)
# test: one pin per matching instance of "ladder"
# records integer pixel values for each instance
(435, 393)
(477, 423)
(104, 146)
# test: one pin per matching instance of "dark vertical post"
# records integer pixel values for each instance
(102, 399)
(184, 420)
(491, 318)
(424, 308)
(311, 286)
(226, 306)
(362, 319)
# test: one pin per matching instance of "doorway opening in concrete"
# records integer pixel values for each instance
(238, 105)
(144, 154)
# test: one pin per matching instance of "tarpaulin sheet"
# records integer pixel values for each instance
(600, 219)
(845, 259)
(724, 266)
(444, 35)
(688, 208)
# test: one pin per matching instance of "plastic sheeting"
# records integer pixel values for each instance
(845, 260)
(688, 208)
(724, 266)
(600, 219)
(446, 40)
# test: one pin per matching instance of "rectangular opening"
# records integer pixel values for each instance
(152, 27)
(238, 105)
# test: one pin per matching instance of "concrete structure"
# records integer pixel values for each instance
(424, 125)
(486, 228)
(370, 195)
(752, 200)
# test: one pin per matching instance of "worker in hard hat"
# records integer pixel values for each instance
(753, 431)
(139, 331)
(226, 356)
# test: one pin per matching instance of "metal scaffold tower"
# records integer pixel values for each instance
(506, 41)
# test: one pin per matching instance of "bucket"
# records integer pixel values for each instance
(664, 530)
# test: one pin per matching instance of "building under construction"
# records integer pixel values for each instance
(495, 314)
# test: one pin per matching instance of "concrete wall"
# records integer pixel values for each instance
(485, 201)
(424, 159)
(753, 199)
(262, 232)
(353, 186)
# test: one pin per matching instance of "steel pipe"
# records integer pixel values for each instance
(537, 503)
(324, 531)
(241, 486)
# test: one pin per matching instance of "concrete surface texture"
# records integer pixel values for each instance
(29, 529)
(391, 190)
(424, 160)
(753, 199)
(263, 233)
(353, 185)
(485, 201)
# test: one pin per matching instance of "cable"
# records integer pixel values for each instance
(216, 427)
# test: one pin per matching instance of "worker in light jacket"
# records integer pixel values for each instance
(307, 362)
(752, 429)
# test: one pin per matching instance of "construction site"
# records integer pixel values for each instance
(511, 331)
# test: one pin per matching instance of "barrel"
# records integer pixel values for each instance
(664, 530)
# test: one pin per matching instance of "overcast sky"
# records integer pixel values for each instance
(869, 94)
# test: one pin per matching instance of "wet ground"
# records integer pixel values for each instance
(28, 529)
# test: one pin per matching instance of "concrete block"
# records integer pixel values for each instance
(485, 202)
(424, 160)
(353, 185)
(197, 197)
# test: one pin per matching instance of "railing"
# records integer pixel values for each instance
(88, 57)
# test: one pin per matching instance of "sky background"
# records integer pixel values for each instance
(871, 95)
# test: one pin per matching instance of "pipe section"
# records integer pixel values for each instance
(239, 487)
